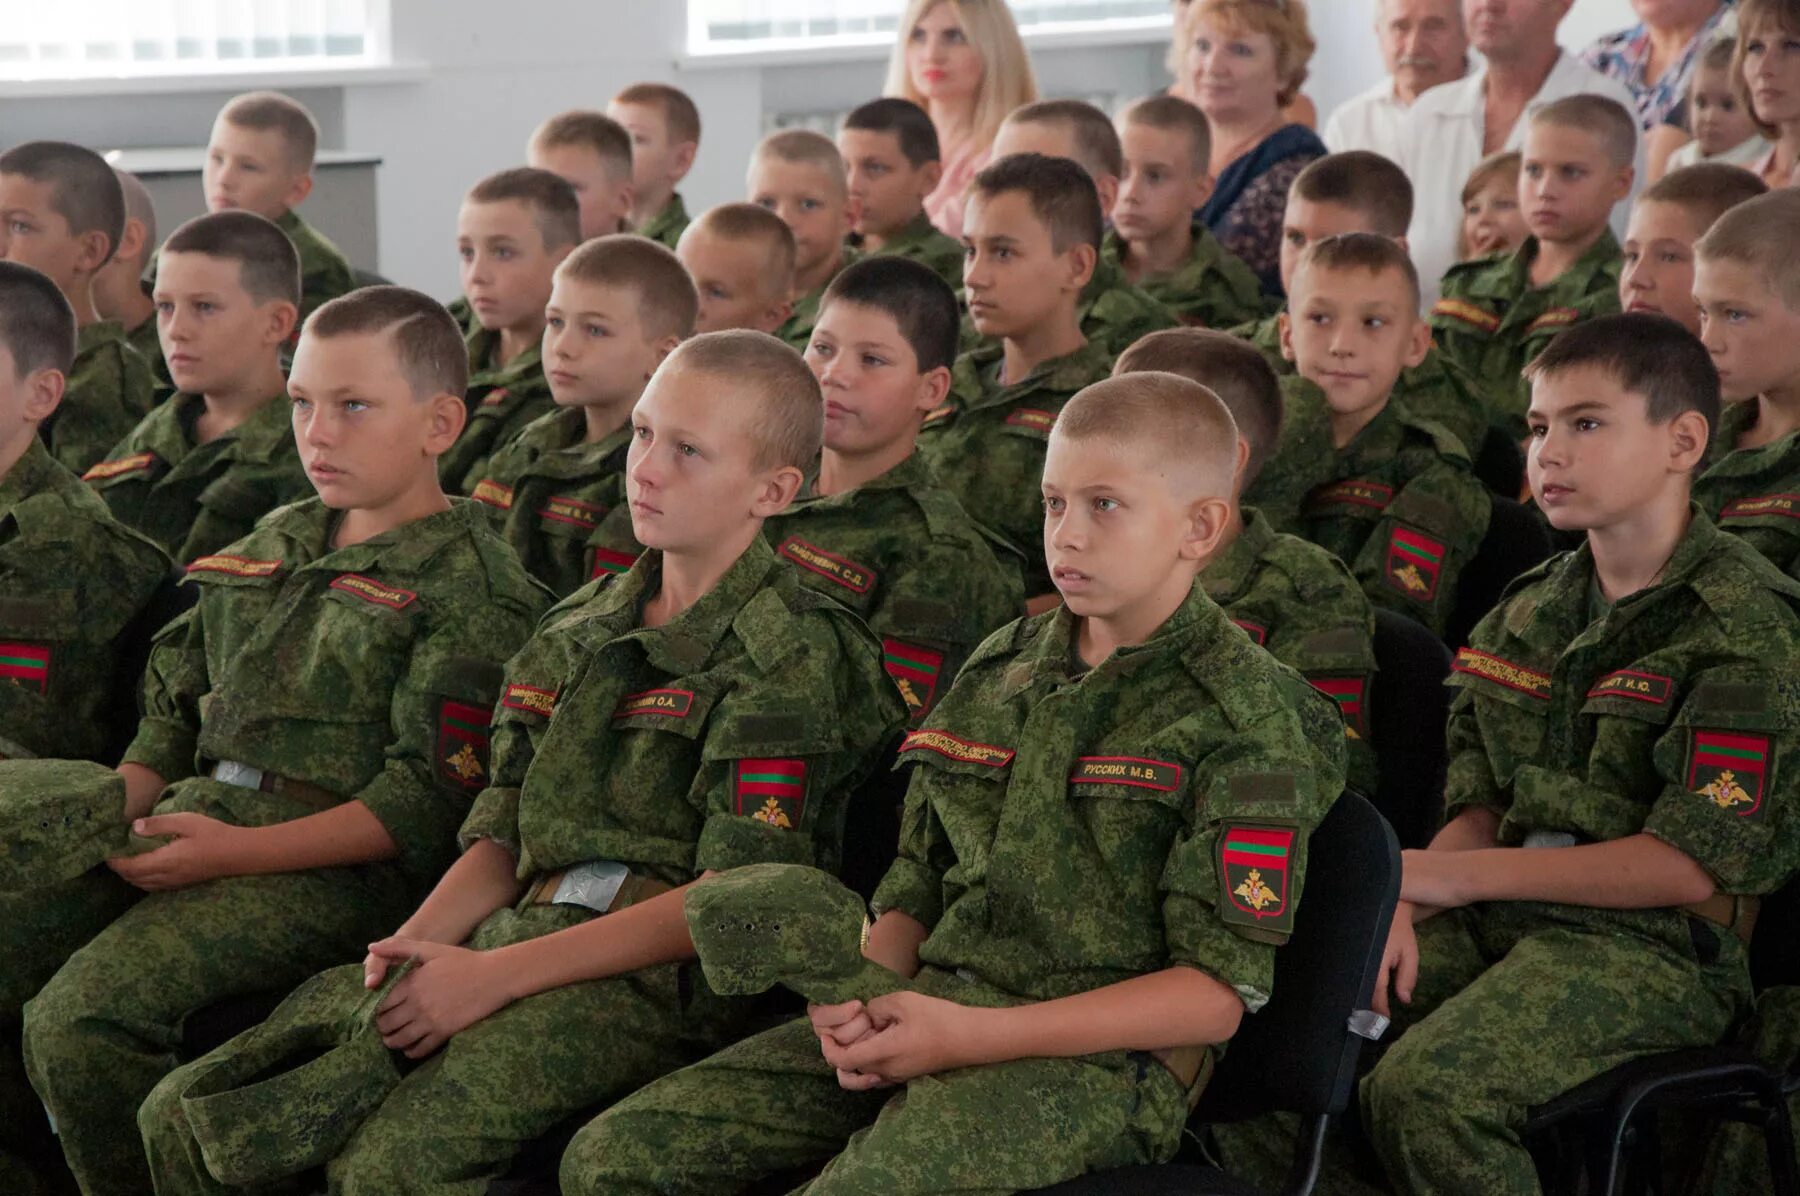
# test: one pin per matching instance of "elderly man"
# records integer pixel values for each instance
(1424, 43)
(1452, 127)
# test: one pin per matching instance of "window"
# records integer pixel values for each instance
(728, 26)
(62, 39)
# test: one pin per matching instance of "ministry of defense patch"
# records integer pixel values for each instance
(1348, 693)
(772, 791)
(915, 671)
(1414, 561)
(1502, 672)
(462, 744)
(530, 699)
(1254, 867)
(1730, 769)
(963, 751)
(26, 665)
(607, 562)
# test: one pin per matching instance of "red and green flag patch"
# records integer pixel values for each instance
(1413, 563)
(610, 563)
(1730, 769)
(1254, 863)
(1348, 693)
(915, 670)
(462, 744)
(772, 791)
(26, 666)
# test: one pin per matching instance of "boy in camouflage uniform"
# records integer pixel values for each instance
(799, 175)
(700, 712)
(1033, 229)
(741, 259)
(121, 292)
(665, 135)
(1290, 596)
(64, 213)
(1102, 850)
(314, 728)
(1357, 472)
(872, 529)
(514, 229)
(1497, 314)
(890, 150)
(1750, 263)
(1621, 786)
(206, 464)
(1165, 148)
(620, 305)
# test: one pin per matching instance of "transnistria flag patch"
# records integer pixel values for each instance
(1730, 769)
(1254, 860)
(1413, 563)
(915, 671)
(462, 744)
(26, 665)
(772, 791)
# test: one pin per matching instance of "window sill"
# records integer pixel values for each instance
(1075, 35)
(232, 77)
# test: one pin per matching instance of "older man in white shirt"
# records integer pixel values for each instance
(1453, 127)
(1424, 43)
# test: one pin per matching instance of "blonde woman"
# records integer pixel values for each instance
(964, 63)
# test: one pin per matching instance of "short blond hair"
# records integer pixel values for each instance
(1174, 419)
(1285, 23)
(789, 427)
(1603, 119)
(666, 302)
(1172, 114)
(756, 224)
(803, 147)
(1229, 367)
(1007, 80)
(263, 110)
(680, 117)
(1753, 18)
(594, 130)
(1759, 234)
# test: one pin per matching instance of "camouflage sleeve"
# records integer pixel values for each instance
(914, 883)
(1426, 537)
(175, 680)
(1728, 762)
(527, 699)
(1470, 780)
(932, 616)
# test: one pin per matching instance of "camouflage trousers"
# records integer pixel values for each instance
(1737, 1163)
(1518, 1002)
(108, 1025)
(772, 1104)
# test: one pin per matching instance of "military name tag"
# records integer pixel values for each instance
(1254, 865)
(594, 885)
(1354, 492)
(529, 698)
(1787, 505)
(963, 751)
(236, 566)
(1628, 683)
(1159, 775)
(493, 494)
(560, 508)
(106, 470)
(674, 703)
(1730, 770)
(26, 665)
(1033, 418)
(1503, 672)
(370, 590)
(853, 577)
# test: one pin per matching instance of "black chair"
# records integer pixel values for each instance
(1299, 1053)
(1602, 1137)
(1409, 707)
(1516, 540)
(1500, 464)
(167, 602)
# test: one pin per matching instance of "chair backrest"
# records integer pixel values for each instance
(1516, 540)
(1775, 944)
(167, 602)
(1298, 1054)
(1408, 709)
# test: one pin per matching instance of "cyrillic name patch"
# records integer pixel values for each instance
(608, 561)
(26, 665)
(915, 672)
(673, 702)
(370, 590)
(1556, 317)
(1768, 504)
(563, 509)
(1503, 672)
(1255, 631)
(1468, 313)
(495, 397)
(136, 463)
(462, 744)
(1159, 775)
(1413, 562)
(237, 566)
(1033, 418)
(493, 494)
(1355, 492)
(1347, 692)
(529, 698)
(847, 573)
(1730, 770)
(1254, 864)
(1628, 683)
(772, 791)
(963, 751)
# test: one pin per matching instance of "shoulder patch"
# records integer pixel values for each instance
(915, 671)
(1556, 317)
(1756, 508)
(26, 665)
(858, 579)
(772, 791)
(1354, 492)
(493, 494)
(530, 699)
(1629, 683)
(1032, 417)
(1467, 313)
(1160, 775)
(563, 509)
(106, 470)
(675, 703)
(462, 744)
(1348, 693)
(1254, 866)
(939, 414)
(495, 397)
(1502, 672)
(1256, 631)
(370, 590)
(1413, 563)
(963, 751)
(237, 566)
(607, 561)
(1729, 769)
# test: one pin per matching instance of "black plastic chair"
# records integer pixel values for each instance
(1409, 707)
(1500, 464)
(167, 602)
(1516, 540)
(1299, 1053)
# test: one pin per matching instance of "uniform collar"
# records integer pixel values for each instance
(1696, 550)
(403, 551)
(482, 342)
(33, 473)
(910, 474)
(977, 388)
(168, 431)
(95, 335)
(685, 644)
(561, 452)
(673, 213)
(1197, 621)
(918, 230)
(1227, 574)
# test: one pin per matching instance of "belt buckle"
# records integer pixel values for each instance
(230, 772)
(594, 885)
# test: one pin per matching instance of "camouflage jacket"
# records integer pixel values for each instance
(366, 673)
(193, 499)
(921, 242)
(798, 329)
(666, 227)
(1063, 832)
(110, 389)
(71, 581)
(325, 272)
(1755, 493)
(502, 400)
(1212, 289)
(735, 734)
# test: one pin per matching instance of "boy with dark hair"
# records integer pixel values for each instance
(890, 150)
(202, 468)
(592, 153)
(1359, 472)
(1621, 788)
(313, 730)
(620, 305)
(665, 135)
(1032, 237)
(1166, 148)
(121, 292)
(1101, 853)
(62, 212)
(1497, 314)
(1113, 312)
(514, 229)
(1290, 596)
(700, 712)
(799, 175)
(1668, 219)
(872, 528)
(741, 258)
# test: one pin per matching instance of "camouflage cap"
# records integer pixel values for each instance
(766, 924)
(287, 1095)
(58, 818)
